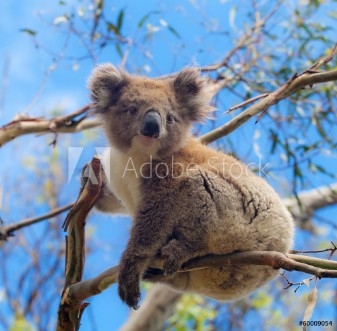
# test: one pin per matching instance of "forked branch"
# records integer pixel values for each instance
(69, 313)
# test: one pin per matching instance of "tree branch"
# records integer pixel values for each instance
(310, 202)
(321, 268)
(62, 124)
(156, 308)
(294, 84)
(67, 124)
(69, 314)
(7, 231)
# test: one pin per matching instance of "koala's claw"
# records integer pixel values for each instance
(128, 289)
(170, 254)
(129, 296)
(171, 265)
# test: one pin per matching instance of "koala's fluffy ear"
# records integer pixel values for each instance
(105, 84)
(192, 93)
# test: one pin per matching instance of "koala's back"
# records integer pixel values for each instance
(219, 195)
(219, 206)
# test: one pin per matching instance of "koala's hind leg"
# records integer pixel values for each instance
(180, 281)
(107, 202)
(175, 254)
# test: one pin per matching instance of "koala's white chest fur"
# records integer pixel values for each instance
(124, 177)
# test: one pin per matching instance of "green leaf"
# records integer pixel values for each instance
(315, 3)
(146, 17)
(299, 202)
(192, 313)
(119, 50)
(20, 324)
(261, 300)
(312, 167)
(320, 129)
(116, 28)
(298, 172)
(112, 27)
(174, 31)
(29, 31)
(307, 30)
(100, 4)
(120, 20)
(333, 14)
(275, 141)
(322, 170)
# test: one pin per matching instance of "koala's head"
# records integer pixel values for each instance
(153, 116)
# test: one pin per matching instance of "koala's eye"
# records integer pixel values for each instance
(131, 110)
(169, 118)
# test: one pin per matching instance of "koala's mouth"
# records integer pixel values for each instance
(147, 141)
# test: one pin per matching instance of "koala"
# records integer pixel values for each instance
(186, 199)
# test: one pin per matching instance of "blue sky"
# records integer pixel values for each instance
(65, 90)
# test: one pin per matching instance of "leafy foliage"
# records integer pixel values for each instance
(192, 313)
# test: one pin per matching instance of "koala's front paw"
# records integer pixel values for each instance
(128, 286)
(171, 257)
(171, 265)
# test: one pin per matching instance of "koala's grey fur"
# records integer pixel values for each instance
(198, 201)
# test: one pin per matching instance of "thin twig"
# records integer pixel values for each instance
(323, 60)
(298, 284)
(331, 250)
(242, 42)
(7, 231)
(97, 16)
(69, 118)
(51, 68)
(245, 103)
(276, 95)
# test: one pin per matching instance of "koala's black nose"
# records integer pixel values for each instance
(151, 124)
